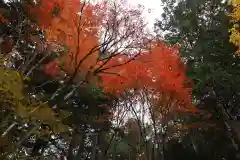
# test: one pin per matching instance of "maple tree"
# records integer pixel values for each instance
(131, 61)
(85, 45)
(79, 26)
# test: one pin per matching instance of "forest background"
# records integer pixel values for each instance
(88, 81)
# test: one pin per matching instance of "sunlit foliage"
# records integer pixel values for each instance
(235, 18)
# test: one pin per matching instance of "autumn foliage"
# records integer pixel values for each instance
(235, 18)
(141, 64)
(160, 70)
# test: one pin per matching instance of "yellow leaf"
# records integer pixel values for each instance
(11, 82)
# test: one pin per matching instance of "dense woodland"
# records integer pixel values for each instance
(88, 81)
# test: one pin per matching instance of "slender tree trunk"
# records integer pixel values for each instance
(94, 148)
(153, 152)
(163, 147)
(114, 149)
(72, 145)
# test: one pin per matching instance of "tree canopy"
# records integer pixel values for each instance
(82, 80)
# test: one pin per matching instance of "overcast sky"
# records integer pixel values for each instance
(153, 5)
